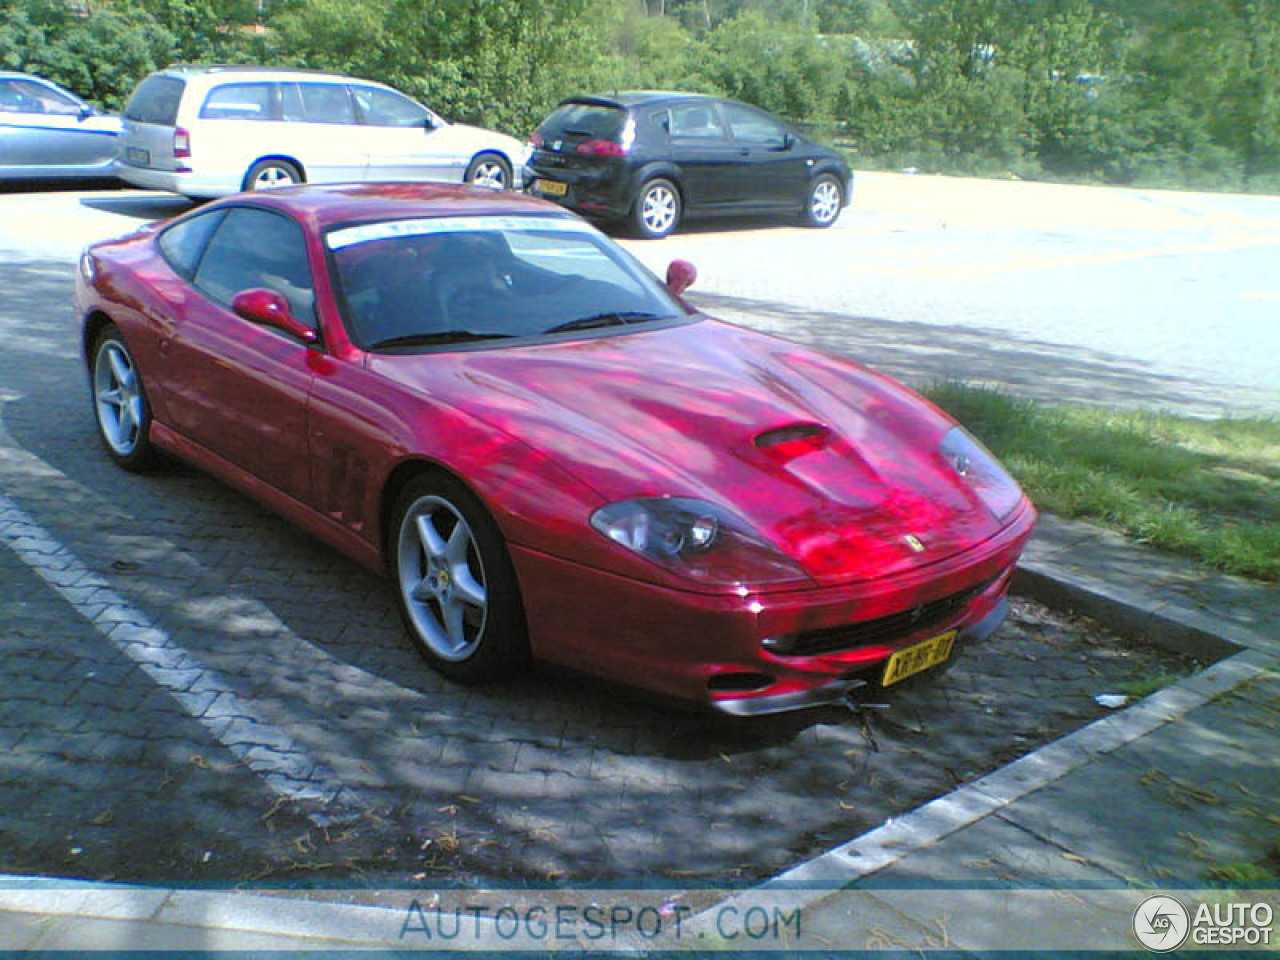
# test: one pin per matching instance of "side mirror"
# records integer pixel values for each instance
(788, 141)
(86, 112)
(680, 276)
(269, 309)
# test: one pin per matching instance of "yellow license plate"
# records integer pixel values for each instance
(552, 188)
(919, 656)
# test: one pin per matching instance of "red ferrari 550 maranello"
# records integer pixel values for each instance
(548, 451)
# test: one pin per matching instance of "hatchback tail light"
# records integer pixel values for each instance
(181, 142)
(535, 140)
(602, 148)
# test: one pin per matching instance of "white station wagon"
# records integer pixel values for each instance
(208, 131)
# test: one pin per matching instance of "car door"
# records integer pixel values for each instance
(45, 131)
(774, 173)
(400, 138)
(709, 161)
(234, 387)
(322, 131)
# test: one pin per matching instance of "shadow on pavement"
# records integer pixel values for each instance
(159, 206)
(51, 185)
(921, 354)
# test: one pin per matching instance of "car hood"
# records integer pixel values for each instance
(835, 465)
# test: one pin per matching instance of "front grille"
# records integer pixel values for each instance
(887, 629)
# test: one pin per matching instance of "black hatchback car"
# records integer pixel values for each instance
(654, 158)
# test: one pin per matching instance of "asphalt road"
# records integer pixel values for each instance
(1099, 294)
(1060, 292)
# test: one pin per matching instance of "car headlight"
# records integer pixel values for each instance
(697, 539)
(972, 461)
(87, 268)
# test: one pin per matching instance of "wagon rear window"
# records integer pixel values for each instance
(156, 101)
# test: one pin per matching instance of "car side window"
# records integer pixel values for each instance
(326, 103)
(240, 101)
(23, 96)
(291, 103)
(659, 123)
(383, 108)
(182, 244)
(697, 120)
(255, 248)
(751, 126)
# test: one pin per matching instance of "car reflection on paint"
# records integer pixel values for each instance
(550, 453)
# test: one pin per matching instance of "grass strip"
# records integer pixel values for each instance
(1209, 489)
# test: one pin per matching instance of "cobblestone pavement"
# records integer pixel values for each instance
(186, 677)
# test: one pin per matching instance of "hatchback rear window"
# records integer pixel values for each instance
(590, 121)
(156, 100)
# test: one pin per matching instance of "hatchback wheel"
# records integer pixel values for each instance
(456, 587)
(489, 170)
(120, 403)
(823, 204)
(657, 209)
(266, 174)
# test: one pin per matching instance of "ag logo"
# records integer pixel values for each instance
(1161, 923)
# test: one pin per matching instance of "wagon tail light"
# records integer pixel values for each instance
(181, 143)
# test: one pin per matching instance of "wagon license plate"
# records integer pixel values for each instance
(551, 188)
(918, 657)
(138, 157)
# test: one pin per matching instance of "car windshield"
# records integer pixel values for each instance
(411, 285)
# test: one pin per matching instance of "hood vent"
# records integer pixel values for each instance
(793, 440)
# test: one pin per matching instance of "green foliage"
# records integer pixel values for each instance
(1176, 93)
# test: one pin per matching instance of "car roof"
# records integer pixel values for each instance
(210, 73)
(322, 206)
(636, 98)
(203, 68)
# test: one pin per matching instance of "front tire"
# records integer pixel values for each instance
(266, 174)
(455, 585)
(120, 403)
(489, 170)
(824, 201)
(657, 209)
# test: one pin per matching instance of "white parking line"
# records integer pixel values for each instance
(284, 766)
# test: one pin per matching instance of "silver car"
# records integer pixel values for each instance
(208, 131)
(45, 131)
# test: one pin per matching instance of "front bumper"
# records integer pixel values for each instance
(710, 647)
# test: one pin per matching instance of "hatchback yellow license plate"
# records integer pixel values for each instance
(552, 188)
(911, 660)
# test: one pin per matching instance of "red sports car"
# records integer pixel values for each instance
(550, 452)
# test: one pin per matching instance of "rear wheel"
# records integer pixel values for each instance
(120, 403)
(489, 170)
(266, 174)
(456, 588)
(657, 209)
(823, 203)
